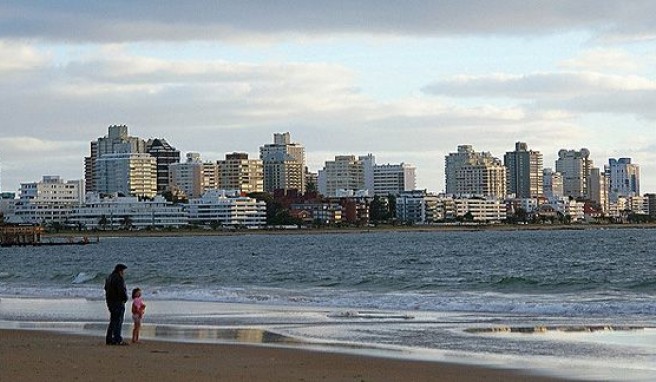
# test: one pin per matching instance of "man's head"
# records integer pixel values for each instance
(120, 268)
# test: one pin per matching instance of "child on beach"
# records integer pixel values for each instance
(138, 309)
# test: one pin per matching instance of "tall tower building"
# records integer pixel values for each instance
(575, 168)
(524, 172)
(130, 174)
(552, 182)
(117, 141)
(284, 164)
(624, 178)
(237, 172)
(470, 173)
(598, 188)
(164, 155)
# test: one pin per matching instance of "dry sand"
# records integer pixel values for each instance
(42, 356)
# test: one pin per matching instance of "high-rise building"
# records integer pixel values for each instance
(598, 188)
(575, 168)
(470, 173)
(552, 183)
(524, 172)
(164, 155)
(387, 179)
(624, 178)
(128, 174)
(345, 173)
(117, 141)
(193, 177)
(284, 164)
(239, 173)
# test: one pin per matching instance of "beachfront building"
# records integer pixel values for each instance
(344, 174)
(192, 178)
(418, 207)
(320, 213)
(237, 172)
(284, 164)
(165, 155)
(624, 178)
(387, 179)
(226, 209)
(127, 212)
(481, 210)
(552, 183)
(524, 172)
(347, 174)
(470, 173)
(116, 141)
(128, 174)
(575, 168)
(568, 209)
(651, 205)
(48, 201)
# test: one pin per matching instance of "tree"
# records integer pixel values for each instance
(126, 222)
(102, 222)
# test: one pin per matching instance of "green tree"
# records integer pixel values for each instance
(126, 222)
(102, 222)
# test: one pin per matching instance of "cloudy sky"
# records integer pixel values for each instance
(405, 80)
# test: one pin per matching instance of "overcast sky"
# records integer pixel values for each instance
(408, 81)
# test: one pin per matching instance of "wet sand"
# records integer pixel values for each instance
(46, 356)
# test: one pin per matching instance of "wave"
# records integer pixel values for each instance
(84, 277)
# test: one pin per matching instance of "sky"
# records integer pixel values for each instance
(407, 81)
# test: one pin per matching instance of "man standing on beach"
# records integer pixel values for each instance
(116, 295)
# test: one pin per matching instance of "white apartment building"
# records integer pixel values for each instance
(192, 178)
(284, 164)
(575, 168)
(53, 189)
(469, 173)
(237, 172)
(344, 174)
(387, 179)
(552, 183)
(116, 141)
(129, 174)
(624, 178)
(483, 210)
(227, 209)
(47, 201)
(117, 212)
(568, 207)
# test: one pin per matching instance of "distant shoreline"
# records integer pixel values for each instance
(350, 230)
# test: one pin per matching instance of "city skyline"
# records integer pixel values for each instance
(408, 82)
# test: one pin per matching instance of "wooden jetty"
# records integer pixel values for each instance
(33, 235)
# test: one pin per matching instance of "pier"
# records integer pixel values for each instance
(33, 235)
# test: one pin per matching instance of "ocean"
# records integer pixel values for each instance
(575, 303)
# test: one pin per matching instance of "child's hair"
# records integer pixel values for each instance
(134, 292)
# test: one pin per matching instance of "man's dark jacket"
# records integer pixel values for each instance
(115, 289)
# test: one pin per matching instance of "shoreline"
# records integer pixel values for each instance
(29, 355)
(351, 230)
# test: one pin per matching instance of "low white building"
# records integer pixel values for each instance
(418, 207)
(48, 201)
(568, 207)
(227, 209)
(482, 210)
(115, 212)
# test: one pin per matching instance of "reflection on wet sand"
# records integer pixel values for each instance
(545, 329)
(166, 332)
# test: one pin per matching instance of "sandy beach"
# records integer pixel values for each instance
(46, 356)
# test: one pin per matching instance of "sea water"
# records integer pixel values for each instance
(576, 302)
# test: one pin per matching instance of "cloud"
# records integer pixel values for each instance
(169, 20)
(603, 59)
